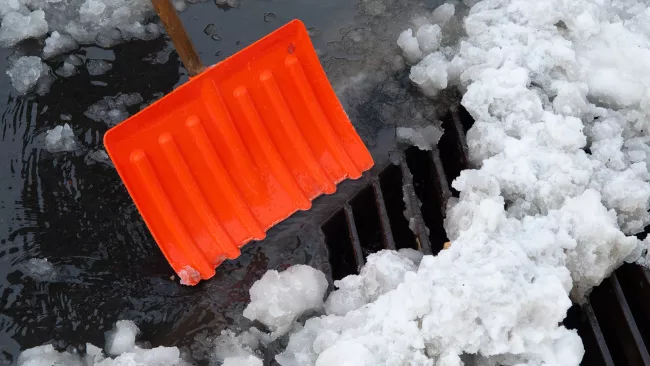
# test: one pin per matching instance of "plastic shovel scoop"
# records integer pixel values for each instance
(238, 148)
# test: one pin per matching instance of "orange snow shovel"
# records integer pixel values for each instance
(238, 148)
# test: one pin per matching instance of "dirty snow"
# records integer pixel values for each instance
(120, 341)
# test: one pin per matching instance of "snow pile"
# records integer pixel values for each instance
(278, 299)
(120, 343)
(26, 73)
(71, 23)
(60, 138)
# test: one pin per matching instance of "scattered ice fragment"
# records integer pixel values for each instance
(122, 338)
(424, 138)
(228, 3)
(428, 37)
(443, 14)
(98, 67)
(26, 72)
(243, 361)
(112, 110)
(9, 6)
(60, 138)
(189, 276)
(39, 269)
(409, 45)
(66, 70)
(210, 29)
(230, 345)
(97, 156)
(17, 27)
(180, 5)
(279, 298)
(57, 44)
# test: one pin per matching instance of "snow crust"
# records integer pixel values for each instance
(120, 344)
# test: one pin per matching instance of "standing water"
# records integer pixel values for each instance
(75, 256)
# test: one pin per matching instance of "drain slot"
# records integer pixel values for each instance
(390, 181)
(367, 221)
(339, 246)
(428, 189)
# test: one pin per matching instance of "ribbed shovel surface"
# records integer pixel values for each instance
(237, 149)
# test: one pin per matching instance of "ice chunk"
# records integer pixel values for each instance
(346, 354)
(66, 70)
(243, 361)
(113, 110)
(431, 74)
(279, 298)
(424, 138)
(443, 14)
(428, 37)
(9, 6)
(228, 3)
(57, 44)
(180, 5)
(47, 355)
(60, 138)
(410, 47)
(98, 67)
(229, 345)
(122, 338)
(17, 27)
(26, 72)
(40, 269)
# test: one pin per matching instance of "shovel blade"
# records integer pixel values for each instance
(235, 150)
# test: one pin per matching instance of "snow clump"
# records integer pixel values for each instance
(278, 299)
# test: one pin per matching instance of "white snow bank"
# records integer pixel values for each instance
(60, 138)
(121, 341)
(280, 298)
(26, 72)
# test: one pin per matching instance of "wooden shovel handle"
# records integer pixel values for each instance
(176, 31)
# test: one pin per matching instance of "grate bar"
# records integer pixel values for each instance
(639, 352)
(597, 333)
(354, 236)
(413, 208)
(387, 232)
(444, 191)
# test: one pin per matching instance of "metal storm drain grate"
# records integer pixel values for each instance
(412, 192)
